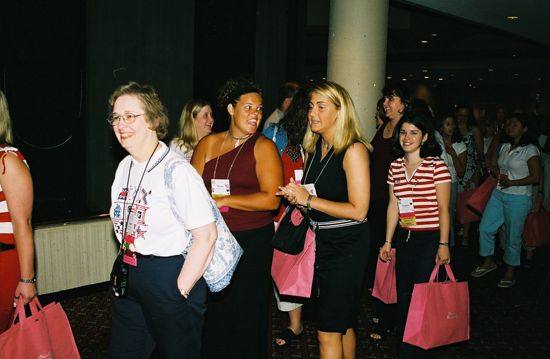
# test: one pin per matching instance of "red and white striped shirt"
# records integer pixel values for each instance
(421, 189)
(6, 227)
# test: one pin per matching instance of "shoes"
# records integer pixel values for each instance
(377, 332)
(286, 336)
(481, 271)
(505, 283)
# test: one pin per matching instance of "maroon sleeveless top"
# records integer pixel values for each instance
(243, 180)
(380, 160)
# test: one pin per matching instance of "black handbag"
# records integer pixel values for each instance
(290, 235)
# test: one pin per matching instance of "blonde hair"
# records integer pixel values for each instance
(188, 136)
(348, 130)
(154, 109)
(6, 135)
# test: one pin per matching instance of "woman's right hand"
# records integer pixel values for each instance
(385, 252)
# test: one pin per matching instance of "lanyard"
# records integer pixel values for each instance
(232, 163)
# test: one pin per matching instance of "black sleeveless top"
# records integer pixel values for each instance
(329, 177)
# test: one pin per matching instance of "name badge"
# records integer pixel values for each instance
(407, 218)
(298, 175)
(129, 256)
(310, 187)
(220, 187)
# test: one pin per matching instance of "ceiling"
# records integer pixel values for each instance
(469, 47)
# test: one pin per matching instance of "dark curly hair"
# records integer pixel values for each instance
(231, 91)
(295, 120)
(429, 148)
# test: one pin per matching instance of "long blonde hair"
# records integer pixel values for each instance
(348, 130)
(188, 137)
(6, 135)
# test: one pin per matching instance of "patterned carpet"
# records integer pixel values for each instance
(505, 323)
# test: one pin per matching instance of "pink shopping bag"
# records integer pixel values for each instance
(384, 280)
(293, 273)
(46, 333)
(439, 313)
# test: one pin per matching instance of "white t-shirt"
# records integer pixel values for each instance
(459, 148)
(172, 198)
(186, 154)
(514, 165)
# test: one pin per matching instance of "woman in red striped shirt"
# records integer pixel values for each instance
(419, 189)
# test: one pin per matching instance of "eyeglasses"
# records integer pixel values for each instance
(128, 119)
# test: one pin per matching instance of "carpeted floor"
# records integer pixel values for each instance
(505, 323)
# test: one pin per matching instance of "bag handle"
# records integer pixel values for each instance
(19, 311)
(448, 269)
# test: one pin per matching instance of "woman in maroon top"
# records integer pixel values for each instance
(242, 169)
(396, 102)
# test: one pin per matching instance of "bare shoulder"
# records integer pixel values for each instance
(11, 164)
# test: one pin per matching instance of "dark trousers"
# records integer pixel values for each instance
(377, 217)
(155, 313)
(415, 261)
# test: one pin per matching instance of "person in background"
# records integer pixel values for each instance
(242, 170)
(454, 156)
(380, 117)
(286, 93)
(158, 205)
(335, 192)
(417, 215)
(17, 275)
(196, 121)
(396, 103)
(473, 139)
(519, 168)
(292, 128)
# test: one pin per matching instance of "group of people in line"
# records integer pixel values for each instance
(312, 154)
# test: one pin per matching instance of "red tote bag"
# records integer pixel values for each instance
(293, 273)
(536, 232)
(384, 287)
(481, 195)
(46, 333)
(439, 313)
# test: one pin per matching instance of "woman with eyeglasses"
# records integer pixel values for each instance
(242, 170)
(17, 276)
(159, 206)
(196, 121)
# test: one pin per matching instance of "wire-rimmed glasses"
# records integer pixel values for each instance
(128, 118)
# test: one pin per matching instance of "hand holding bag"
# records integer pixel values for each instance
(293, 273)
(439, 313)
(384, 287)
(45, 334)
(291, 231)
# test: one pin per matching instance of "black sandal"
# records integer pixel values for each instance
(287, 335)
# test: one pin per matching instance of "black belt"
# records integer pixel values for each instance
(6, 247)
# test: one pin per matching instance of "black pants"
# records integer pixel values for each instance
(155, 313)
(415, 261)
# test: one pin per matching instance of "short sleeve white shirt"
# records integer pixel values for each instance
(171, 200)
(514, 164)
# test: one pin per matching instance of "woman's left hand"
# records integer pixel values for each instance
(294, 193)
(443, 255)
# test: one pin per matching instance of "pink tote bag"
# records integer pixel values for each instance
(46, 333)
(384, 280)
(439, 313)
(293, 273)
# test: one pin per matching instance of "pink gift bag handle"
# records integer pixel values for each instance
(436, 271)
(19, 312)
